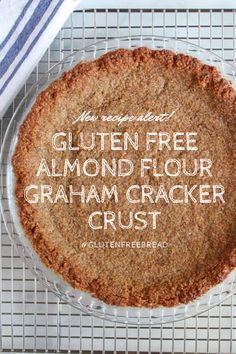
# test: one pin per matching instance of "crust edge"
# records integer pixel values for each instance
(208, 77)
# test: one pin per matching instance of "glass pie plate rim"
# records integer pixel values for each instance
(78, 299)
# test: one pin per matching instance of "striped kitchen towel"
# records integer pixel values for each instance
(27, 28)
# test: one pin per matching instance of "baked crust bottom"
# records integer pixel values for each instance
(206, 254)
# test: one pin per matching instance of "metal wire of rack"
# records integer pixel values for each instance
(32, 318)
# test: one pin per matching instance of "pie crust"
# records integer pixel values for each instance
(201, 238)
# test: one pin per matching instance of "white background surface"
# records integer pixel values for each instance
(166, 4)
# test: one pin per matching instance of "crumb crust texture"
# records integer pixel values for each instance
(202, 239)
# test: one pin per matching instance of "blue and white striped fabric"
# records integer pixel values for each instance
(27, 28)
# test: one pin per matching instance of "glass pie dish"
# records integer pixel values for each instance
(75, 297)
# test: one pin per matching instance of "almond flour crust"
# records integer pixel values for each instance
(198, 258)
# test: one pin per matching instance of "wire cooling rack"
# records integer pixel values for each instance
(33, 319)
